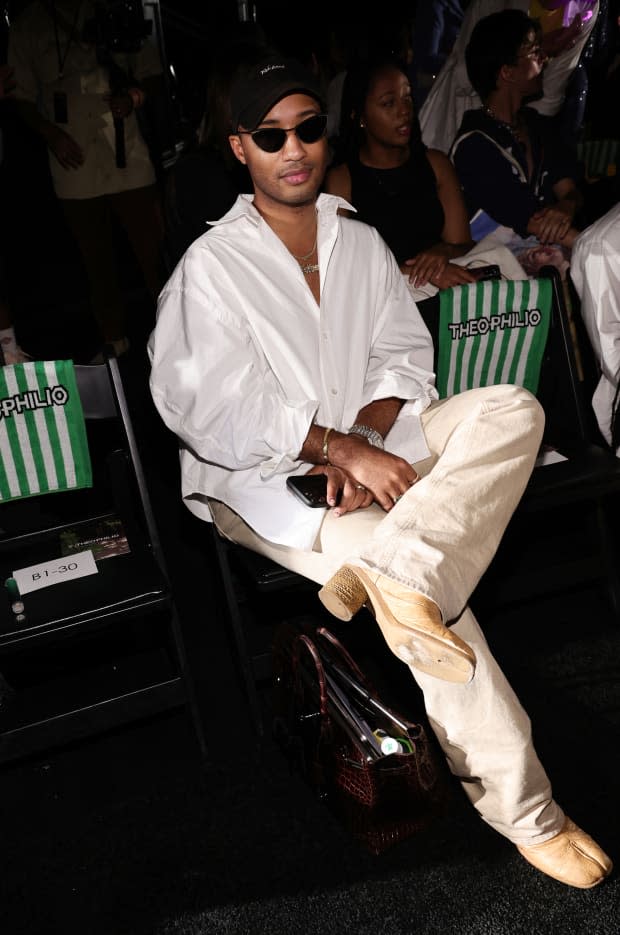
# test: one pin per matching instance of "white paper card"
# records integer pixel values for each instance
(45, 574)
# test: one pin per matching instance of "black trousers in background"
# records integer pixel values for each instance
(91, 222)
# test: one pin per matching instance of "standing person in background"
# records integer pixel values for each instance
(82, 96)
(287, 342)
(436, 26)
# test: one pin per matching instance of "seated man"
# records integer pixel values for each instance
(514, 174)
(288, 342)
(566, 26)
(595, 272)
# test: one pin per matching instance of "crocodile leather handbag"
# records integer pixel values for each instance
(382, 775)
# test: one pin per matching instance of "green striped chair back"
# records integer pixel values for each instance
(600, 157)
(492, 332)
(43, 443)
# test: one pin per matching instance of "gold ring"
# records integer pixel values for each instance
(396, 499)
(360, 487)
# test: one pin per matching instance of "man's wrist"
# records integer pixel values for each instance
(345, 448)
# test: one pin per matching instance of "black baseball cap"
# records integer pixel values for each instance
(257, 88)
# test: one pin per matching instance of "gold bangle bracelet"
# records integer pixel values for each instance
(326, 443)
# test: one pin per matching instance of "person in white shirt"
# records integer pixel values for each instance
(595, 272)
(287, 342)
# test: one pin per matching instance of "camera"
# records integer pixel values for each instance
(117, 26)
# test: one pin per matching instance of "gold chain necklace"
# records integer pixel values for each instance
(308, 255)
(308, 267)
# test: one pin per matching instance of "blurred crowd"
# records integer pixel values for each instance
(115, 154)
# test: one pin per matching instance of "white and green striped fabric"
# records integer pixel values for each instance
(492, 332)
(600, 157)
(43, 444)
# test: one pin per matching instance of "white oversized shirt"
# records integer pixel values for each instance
(244, 360)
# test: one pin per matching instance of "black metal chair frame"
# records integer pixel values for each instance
(127, 607)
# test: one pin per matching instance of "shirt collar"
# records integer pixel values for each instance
(326, 206)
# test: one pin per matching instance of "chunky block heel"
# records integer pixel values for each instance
(344, 594)
(410, 622)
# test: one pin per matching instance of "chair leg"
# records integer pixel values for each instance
(190, 690)
(610, 558)
(241, 646)
(573, 329)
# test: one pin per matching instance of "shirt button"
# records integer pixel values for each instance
(334, 391)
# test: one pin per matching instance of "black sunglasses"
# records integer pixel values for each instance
(272, 139)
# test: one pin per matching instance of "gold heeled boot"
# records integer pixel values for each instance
(410, 622)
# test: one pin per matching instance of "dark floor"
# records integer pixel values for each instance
(127, 833)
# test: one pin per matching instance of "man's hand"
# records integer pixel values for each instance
(363, 474)
(386, 476)
(344, 493)
(64, 148)
(551, 224)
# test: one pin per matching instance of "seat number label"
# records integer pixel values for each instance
(35, 577)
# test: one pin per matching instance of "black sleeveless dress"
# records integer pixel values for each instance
(401, 203)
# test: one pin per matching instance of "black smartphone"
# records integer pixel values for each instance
(310, 488)
(486, 272)
(61, 111)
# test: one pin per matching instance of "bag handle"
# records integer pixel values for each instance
(303, 640)
(414, 729)
(344, 652)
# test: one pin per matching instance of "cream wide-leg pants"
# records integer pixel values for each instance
(438, 540)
